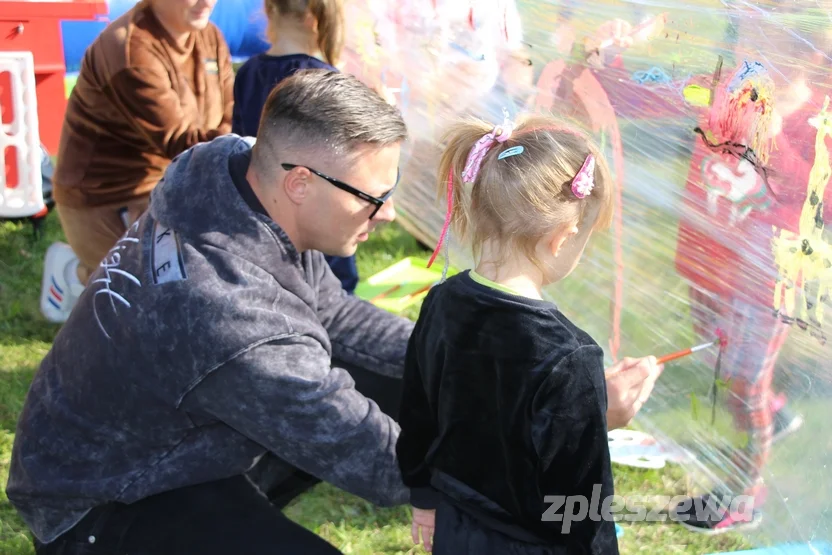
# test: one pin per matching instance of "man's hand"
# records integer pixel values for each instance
(629, 384)
(424, 523)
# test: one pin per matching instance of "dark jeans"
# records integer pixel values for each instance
(224, 517)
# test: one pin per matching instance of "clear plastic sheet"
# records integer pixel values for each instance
(707, 238)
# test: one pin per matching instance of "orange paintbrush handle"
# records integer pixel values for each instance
(385, 293)
(685, 352)
(674, 356)
(416, 293)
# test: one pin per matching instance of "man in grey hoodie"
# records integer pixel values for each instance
(214, 368)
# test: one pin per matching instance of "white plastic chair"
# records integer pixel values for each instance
(25, 198)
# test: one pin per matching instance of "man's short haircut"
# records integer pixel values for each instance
(327, 113)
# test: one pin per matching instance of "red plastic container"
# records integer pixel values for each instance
(36, 26)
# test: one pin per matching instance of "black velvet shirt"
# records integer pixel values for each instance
(504, 404)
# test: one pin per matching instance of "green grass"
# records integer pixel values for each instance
(350, 523)
(654, 320)
(25, 338)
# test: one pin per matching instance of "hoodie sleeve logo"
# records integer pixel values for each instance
(166, 256)
(111, 266)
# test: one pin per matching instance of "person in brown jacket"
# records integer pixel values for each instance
(157, 81)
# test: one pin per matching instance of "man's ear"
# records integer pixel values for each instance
(560, 236)
(296, 185)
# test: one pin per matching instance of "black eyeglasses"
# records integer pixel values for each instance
(375, 201)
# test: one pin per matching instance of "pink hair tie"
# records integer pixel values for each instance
(473, 164)
(477, 154)
(584, 182)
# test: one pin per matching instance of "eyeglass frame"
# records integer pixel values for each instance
(378, 202)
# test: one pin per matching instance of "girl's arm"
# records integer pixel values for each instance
(237, 117)
(418, 431)
(569, 434)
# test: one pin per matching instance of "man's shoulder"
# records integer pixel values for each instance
(212, 37)
(144, 50)
(110, 50)
(181, 280)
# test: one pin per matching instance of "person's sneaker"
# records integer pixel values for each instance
(60, 287)
(714, 513)
(785, 423)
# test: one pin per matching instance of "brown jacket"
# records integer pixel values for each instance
(140, 100)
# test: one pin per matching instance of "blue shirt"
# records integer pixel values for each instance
(256, 79)
(252, 85)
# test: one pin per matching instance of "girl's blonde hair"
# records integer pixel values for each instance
(330, 17)
(517, 200)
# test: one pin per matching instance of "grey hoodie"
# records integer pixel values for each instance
(203, 342)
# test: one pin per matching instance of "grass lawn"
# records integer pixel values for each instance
(350, 523)
(355, 526)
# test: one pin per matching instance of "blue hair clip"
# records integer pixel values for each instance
(513, 151)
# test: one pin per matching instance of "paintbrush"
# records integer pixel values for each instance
(686, 352)
(384, 294)
(407, 298)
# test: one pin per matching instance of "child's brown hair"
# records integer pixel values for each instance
(330, 17)
(520, 198)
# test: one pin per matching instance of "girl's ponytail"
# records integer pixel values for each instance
(458, 144)
(528, 177)
(330, 17)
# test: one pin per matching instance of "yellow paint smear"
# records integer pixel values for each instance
(697, 96)
(803, 258)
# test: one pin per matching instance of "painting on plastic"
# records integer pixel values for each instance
(715, 120)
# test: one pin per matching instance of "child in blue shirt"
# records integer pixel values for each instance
(303, 35)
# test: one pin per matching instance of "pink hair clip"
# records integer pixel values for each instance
(584, 182)
(477, 154)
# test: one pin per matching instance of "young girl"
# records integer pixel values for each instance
(504, 398)
(304, 34)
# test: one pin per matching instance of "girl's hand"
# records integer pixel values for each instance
(629, 384)
(424, 523)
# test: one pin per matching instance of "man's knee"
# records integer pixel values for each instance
(91, 234)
